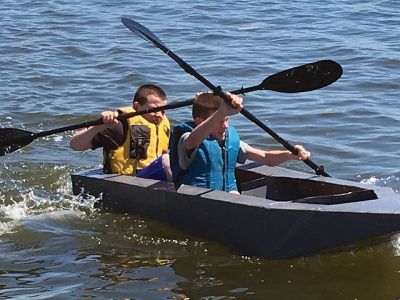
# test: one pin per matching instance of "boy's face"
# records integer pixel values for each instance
(152, 101)
(218, 132)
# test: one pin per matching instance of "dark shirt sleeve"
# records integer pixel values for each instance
(110, 139)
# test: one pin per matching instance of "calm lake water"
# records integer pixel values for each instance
(63, 62)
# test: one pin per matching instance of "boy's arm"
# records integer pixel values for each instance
(275, 157)
(82, 140)
(203, 130)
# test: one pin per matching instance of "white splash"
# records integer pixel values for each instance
(58, 138)
(389, 181)
(33, 207)
(11, 216)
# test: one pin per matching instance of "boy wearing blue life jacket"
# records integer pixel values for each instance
(135, 146)
(204, 152)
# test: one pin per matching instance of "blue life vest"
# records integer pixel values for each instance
(212, 167)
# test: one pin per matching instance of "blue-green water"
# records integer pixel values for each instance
(63, 62)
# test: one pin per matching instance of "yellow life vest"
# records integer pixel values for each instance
(144, 142)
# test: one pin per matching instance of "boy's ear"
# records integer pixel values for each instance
(198, 120)
(135, 105)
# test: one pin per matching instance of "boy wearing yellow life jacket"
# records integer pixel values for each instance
(135, 146)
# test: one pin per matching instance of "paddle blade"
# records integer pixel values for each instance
(304, 78)
(141, 31)
(12, 139)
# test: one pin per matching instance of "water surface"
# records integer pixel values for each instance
(63, 62)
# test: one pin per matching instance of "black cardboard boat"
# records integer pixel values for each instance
(281, 213)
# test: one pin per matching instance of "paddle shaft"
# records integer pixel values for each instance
(218, 91)
(33, 136)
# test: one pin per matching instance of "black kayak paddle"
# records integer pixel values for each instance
(315, 77)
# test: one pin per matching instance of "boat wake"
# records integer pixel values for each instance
(10, 216)
(392, 182)
(30, 205)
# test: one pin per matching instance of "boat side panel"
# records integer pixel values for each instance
(246, 229)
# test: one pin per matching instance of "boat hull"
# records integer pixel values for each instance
(280, 214)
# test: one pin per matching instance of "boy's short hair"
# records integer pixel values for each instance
(205, 104)
(148, 89)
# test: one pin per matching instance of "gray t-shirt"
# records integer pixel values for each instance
(185, 159)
